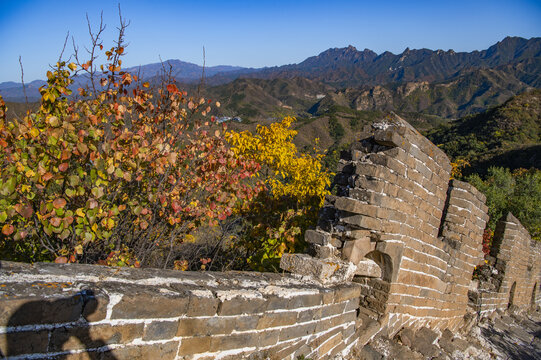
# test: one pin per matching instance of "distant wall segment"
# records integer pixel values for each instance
(511, 277)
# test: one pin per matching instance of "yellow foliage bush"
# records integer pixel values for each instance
(293, 174)
(296, 187)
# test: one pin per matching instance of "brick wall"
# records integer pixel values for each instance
(512, 274)
(74, 311)
(413, 237)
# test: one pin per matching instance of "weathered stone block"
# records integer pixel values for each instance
(194, 345)
(24, 342)
(369, 268)
(355, 250)
(242, 305)
(205, 326)
(233, 341)
(270, 320)
(95, 336)
(317, 237)
(160, 330)
(355, 206)
(202, 305)
(297, 331)
(325, 271)
(157, 305)
(388, 137)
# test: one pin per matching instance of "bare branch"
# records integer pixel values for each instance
(64, 47)
(22, 81)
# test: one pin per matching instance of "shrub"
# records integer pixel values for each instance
(122, 176)
(296, 186)
(518, 192)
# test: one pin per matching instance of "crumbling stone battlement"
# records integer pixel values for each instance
(413, 236)
(511, 276)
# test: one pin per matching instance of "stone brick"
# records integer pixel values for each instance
(305, 300)
(329, 344)
(25, 311)
(246, 322)
(297, 331)
(316, 237)
(160, 330)
(277, 302)
(157, 305)
(389, 138)
(195, 345)
(233, 341)
(355, 206)
(73, 338)
(270, 320)
(202, 306)
(165, 351)
(285, 351)
(205, 326)
(24, 342)
(323, 270)
(241, 305)
(355, 250)
(369, 268)
(363, 221)
(268, 338)
(308, 315)
(346, 292)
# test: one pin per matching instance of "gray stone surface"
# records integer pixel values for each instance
(513, 337)
(327, 271)
(369, 268)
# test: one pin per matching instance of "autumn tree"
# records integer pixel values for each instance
(123, 175)
(296, 185)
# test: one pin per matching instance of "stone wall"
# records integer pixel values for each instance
(73, 311)
(395, 247)
(511, 276)
(412, 236)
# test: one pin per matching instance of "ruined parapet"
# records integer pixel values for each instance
(413, 237)
(464, 221)
(511, 278)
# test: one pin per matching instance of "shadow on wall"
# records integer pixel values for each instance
(21, 340)
(512, 295)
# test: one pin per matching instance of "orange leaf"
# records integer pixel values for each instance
(7, 229)
(47, 176)
(59, 203)
(172, 88)
(55, 221)
(61, 260)
(24, 211)
(63, 167)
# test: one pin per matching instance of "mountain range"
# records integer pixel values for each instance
(517, 59)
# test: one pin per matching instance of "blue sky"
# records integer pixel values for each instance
(256, 33)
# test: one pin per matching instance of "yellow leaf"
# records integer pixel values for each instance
(79, 249)
(34, 132)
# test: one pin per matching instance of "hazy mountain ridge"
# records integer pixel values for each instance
(348, 67)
